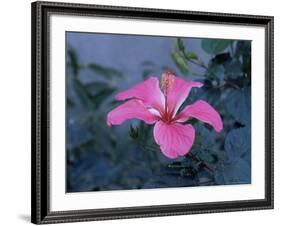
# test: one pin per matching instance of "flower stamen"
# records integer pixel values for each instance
(168, 79)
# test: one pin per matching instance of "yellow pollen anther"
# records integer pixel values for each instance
(168, 79)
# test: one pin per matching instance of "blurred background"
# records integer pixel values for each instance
(126, 156)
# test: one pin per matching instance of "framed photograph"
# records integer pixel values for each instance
(142, 112)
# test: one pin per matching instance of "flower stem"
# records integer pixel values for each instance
(197, 159)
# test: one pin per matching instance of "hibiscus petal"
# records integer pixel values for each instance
(179, 92)
(148, 91)
(129, 110)
(202, 111)
(174, 139)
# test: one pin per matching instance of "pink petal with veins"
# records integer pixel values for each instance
(148, 91)
(132, 109)
(174, 139)
(204, 112)
(179, 92)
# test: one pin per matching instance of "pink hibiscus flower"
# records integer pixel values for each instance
(147, 102)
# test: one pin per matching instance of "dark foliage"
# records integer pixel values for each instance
(126, 157)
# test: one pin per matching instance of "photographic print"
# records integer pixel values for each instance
(141, 112)
(146, 112)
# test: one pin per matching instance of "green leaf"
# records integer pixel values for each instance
(214, 46)
(69, 103)
(180, 48)
(99, 92)
(217, 72)
(180, 44)
(82, 93)
(205, 136)
(191, 56)
(206, 156)
(234, 69)
(180, 62)
(238, 104)
(238, 143)
(96, 87)
(134, 133)
(238, 172)
(102, 95)
(73, 61)
(106, 72)
(90, 95)
(146, 73)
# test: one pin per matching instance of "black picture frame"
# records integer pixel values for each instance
(40, 211)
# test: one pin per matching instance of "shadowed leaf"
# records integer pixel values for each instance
(69, 103)
(214, 46)
(180, 45)
(82, 93)
(238, 143)
(106, 72)
(73, 61)
(96, 87)
(180, 62)
(102, 95)
(238, 104)
(237, 172)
